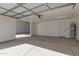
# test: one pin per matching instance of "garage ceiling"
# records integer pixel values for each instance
(20, 10)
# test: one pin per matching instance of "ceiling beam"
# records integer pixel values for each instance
(11, 9)
(69, 4)
(47, 6)
(58, 7)
(8, 16)
(31, 9)
(28, 9)
(20, 13)
(7, 9)
(74, 5)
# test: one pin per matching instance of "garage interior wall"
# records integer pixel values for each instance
(33, 28)
(59, 28)
(47, 26)
(22, 27)
(7, 28)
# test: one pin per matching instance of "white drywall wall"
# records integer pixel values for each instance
(22, 27)
(33, 28)
(48, 28)
(55, 28)
(7, 28)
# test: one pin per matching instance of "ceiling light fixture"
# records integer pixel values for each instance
(61, 17)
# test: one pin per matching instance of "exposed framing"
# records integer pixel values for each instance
(69, 4)
(30, 10)
(47, 6)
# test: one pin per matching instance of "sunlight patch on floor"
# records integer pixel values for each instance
(39, 51)
(29, 50)
(22, 35)
(16, 50)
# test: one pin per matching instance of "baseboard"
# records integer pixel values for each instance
(52, 36)
(23, 33)
(7, 41)
(45, 36)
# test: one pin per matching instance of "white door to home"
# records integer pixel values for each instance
(64, 29)
(61, 30)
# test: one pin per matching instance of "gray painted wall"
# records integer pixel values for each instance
(22, 27)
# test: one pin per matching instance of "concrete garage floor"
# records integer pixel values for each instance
(40, 46)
